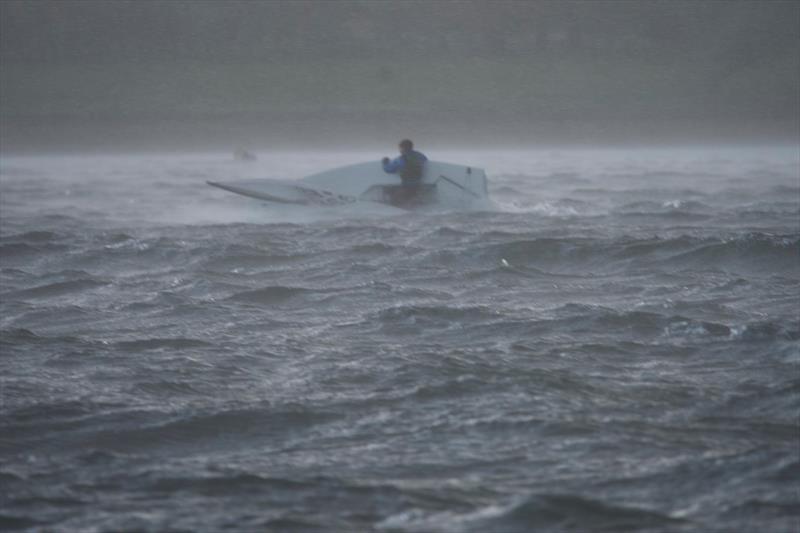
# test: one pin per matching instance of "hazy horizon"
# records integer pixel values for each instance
(89, 75)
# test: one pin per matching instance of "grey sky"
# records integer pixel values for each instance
(583, 66)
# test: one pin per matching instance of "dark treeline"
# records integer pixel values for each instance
(728, 32)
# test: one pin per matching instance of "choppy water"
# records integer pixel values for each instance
(615, 347)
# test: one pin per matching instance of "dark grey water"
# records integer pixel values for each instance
(615, 347)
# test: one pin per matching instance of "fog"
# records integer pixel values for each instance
(198, 75)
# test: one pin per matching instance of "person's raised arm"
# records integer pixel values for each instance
(393, 166)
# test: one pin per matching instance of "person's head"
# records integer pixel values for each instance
(406, 146)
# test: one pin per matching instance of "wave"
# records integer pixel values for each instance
(58, 288)
(10, 477)
(23, 249)
(10, 522)
(541, 512)
(261, 255)
(565, 512)
(17, 334)
(49, 411)
(244, 426)
(177, 343)
(648, 206)
(355, 231)
(435, 314)
(117, 238)
(668, 209)
(250, 261)
(22, 336)
(676, 216)
(685, 327)
(563, 207)
(642, 323)
(755, 251)
(269, 295)
(538, 251)
(225, 485)
(656, 246)
(598, 325)
(789, 472)
(33, 236)
(549, 209)
(374, 248)
(63, 220)
(759, 252)
(767, 331)
(165, 387)
(581, 318)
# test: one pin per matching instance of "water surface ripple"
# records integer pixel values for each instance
(614, 347)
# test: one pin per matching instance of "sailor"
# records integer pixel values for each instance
(408, 164)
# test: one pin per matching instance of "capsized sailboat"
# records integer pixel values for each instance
(443, 185)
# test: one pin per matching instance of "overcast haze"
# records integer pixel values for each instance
(198, 74)
(220, 311)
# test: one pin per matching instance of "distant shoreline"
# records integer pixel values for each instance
(26, 134)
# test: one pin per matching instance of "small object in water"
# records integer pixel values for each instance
(244, 155)
(504, 263)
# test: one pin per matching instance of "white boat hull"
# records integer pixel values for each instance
(443, 184)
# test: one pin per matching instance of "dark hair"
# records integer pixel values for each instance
(405, 144)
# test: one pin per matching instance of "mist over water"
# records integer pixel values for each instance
(611, 343)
